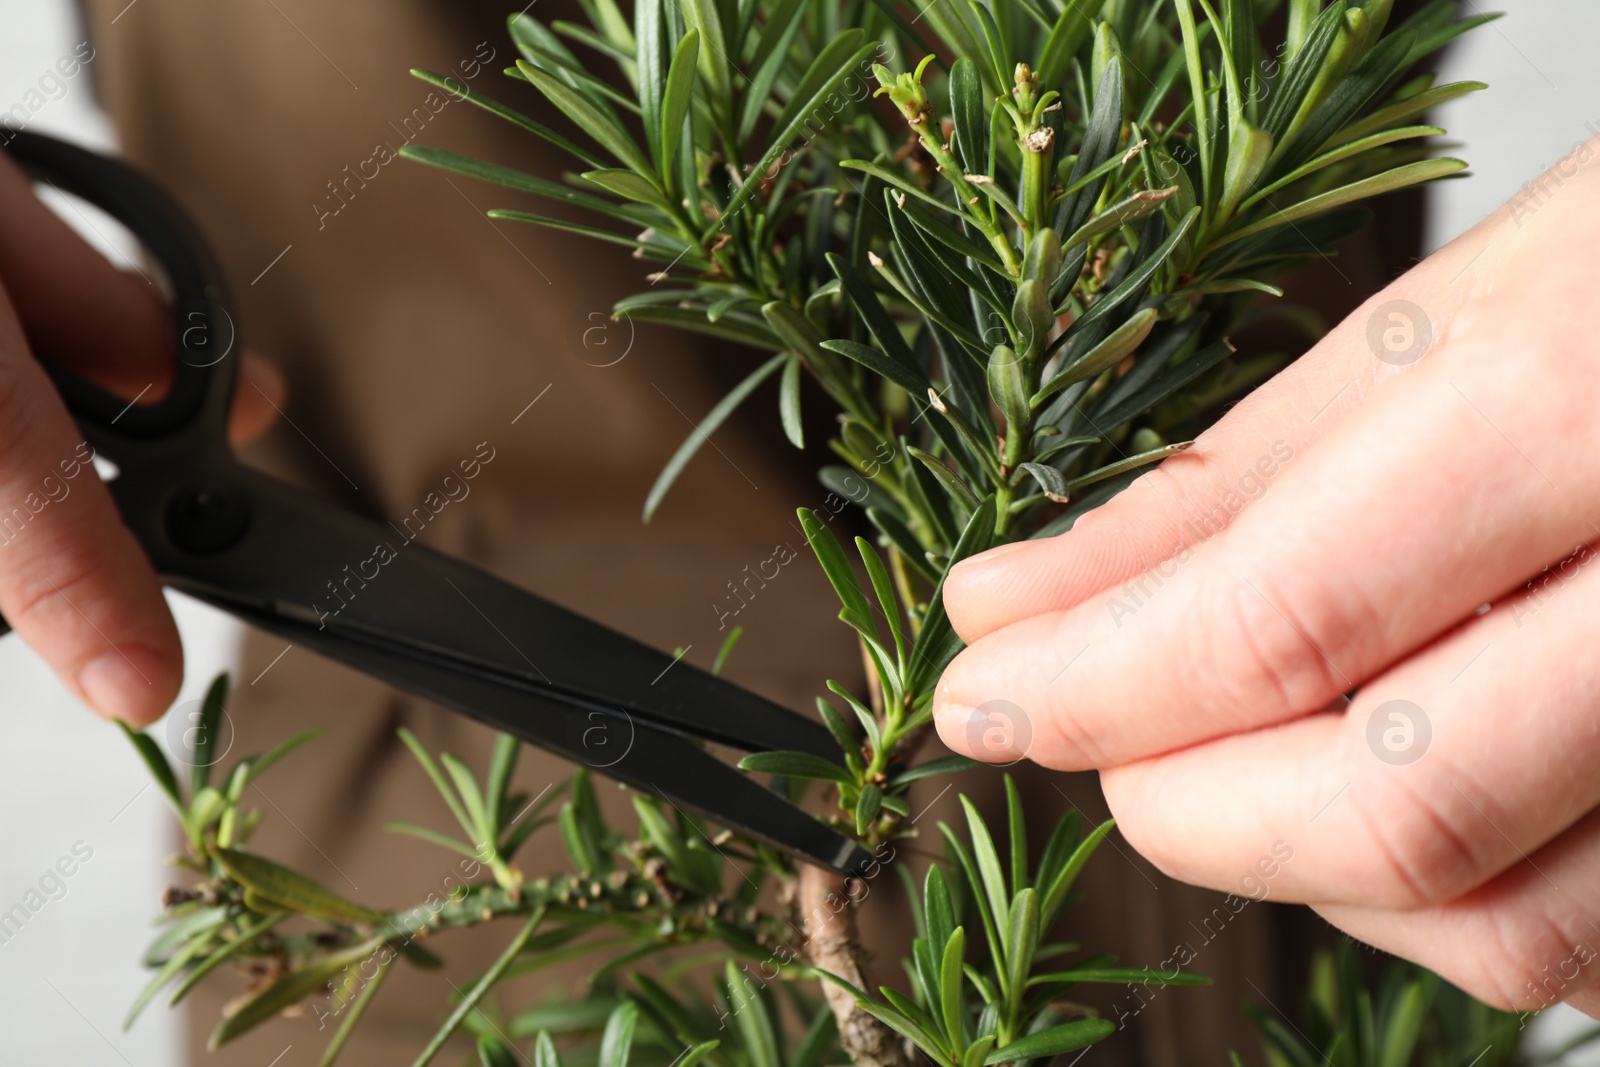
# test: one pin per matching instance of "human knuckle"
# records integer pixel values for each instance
(1063, 740)
(1160, 490)
(1524, 959)
(1187, 489)
(57, 588)
(1416, 853)
(1068, 745)
(1252, 654)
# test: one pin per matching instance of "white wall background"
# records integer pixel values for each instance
(1543, 101)
(68, 976)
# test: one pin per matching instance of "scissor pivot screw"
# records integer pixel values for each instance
(204, 520)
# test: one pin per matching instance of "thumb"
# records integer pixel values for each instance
(73, 582)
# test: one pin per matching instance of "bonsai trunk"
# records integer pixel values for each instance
(834, 946)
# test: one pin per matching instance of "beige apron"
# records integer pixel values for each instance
(416, 334)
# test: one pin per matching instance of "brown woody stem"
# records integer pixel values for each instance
(835, 946)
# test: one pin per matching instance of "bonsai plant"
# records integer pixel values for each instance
(1008, 240)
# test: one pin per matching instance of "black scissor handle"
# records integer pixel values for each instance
(204, 332)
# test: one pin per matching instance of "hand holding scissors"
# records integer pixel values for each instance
(431, 625)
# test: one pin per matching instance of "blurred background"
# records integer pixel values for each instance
(69, 783)
(70, 786)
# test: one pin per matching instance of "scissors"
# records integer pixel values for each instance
(427, 623)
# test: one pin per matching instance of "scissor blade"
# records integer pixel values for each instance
(638, 752)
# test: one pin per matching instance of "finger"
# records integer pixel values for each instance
(1525, 941)
(112, 326)
(1587, 1000)
(1426, 788)
(75, 307)
(1356, 558)
(257, 399)
(1232, 464)
(73, 582)
(1288, 606)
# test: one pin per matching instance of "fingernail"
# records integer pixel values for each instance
(951, 720)
(125, 684)
(997, 732)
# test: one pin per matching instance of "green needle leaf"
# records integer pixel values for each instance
(836, 566)
(437, 777)
(1411, 174)
(1071, 30)
(675, 102)
(156, 761)
(950, 988)
(867, 807)
(1121, 975)
(169, 970)
(842, 56)
(945, 765)
(288, 991)
(1339, 155)
(970, 113)
(357, 1009)
(492, 1052)
(1408, 108)
(467, 786)
(651, 57)
(898, 181)
(1069, 872)
(726, 650)
(459, 91)
(600, 125)
(205, 741)
(434, 837)
(501, 766)
(1053, 1042)
(1143, 459)
(509, 178)
(1116, 347)
(707, 426)
(988, 863)
(617, 1041)
(751, 1018)
(704, 17)
(794, 765)
(243, 940)
(789, 404)
(469, 1002)
(289, 889)
(902, 1025)
(629, 186)
(259, 765)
